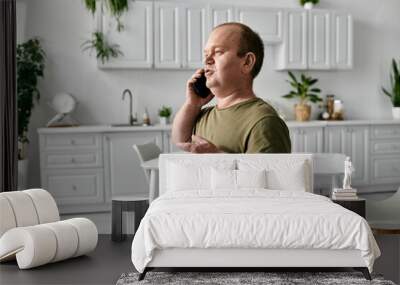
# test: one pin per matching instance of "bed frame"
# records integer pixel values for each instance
(241, 259)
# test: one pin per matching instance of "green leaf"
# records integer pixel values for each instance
(91, 6)
(292, 76)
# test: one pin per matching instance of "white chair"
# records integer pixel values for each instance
(137, 203)
(31, 231)
(329, 164)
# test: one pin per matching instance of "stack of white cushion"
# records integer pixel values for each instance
(204, 174)
(31, 230)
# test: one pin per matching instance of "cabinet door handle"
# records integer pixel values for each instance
(72, 142)
(73, 160)
(74, 187)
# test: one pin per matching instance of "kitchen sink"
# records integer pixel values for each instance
(127, 125)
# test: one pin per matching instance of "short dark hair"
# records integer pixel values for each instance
(250, 41)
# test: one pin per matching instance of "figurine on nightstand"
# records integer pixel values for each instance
(346, 192)
(348, 170)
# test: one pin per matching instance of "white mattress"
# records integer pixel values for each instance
(251, 218)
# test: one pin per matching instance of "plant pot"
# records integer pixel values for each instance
(164, 120)
(302, 112)
(308, 5)
(22, 174)
(396, 113)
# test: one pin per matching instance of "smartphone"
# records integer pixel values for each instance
(200, 87)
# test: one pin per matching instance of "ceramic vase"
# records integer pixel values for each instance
(396, 113)
(164, 120)
(308, 5)
(302, 112)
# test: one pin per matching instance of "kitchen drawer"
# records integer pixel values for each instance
(71, 186)
(70, 141)
(385, 132)
(385, 147)
(72, 159)
(385, 169)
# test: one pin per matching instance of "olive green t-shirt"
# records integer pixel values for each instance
(251, 126)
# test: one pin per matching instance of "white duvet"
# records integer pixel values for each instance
(252, 218)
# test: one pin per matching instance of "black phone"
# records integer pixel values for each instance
(200, 87)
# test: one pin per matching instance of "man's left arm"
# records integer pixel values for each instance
(269, 135)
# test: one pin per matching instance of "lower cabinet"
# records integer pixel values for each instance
(307, 139)
(354, 142)
(122, 171)
(82, 170)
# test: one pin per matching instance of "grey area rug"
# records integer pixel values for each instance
(231, 278)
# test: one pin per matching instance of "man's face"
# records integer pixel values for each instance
(222, 65)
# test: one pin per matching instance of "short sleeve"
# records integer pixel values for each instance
(269, 135)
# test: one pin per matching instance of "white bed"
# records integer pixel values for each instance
(241, 210)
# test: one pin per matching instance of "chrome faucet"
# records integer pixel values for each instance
(132, 119)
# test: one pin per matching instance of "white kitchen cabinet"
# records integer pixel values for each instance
(267, 22)
(195, 34)
(123, 173)
(169, 146)
(219, 14)
(307, 139)
(168, 35)
(342, 48)
(319, 39)
(292, 53)
(385, 155)
(315, 39)
(354, 142)
(135, 40)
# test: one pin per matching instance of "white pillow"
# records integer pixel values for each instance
(251, 178)
(184, 174)
(236, 179)
(286, 174)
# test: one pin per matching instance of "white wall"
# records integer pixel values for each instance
(65, 24)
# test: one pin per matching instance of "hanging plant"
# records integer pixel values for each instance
(91, 6)
(117, 8)
(104, 50)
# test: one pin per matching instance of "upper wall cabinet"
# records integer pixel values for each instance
(316, 39)
(168, 35)
(180, 33)
(267, 22)
(172, 34)
(135, 40)
(194, 36)
(342, 49)
(219, 14)
(292, 53)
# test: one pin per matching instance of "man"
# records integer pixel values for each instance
(240, 122)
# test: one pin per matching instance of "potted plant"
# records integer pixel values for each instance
(394, 92)
(164, 113)
(30, 66)
(303, 91)
(308, 4)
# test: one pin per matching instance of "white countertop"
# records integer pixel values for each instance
(290, 124)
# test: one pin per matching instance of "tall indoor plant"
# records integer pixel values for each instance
(394, 92)
(304, 92)
(30, 66)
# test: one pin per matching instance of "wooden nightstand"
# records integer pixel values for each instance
(357, 206)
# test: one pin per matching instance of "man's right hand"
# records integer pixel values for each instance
(191, 97)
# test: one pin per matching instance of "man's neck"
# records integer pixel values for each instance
(234, 97)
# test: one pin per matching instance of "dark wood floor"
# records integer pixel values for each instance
(102, 266)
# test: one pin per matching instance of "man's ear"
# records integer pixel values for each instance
(249, 61)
